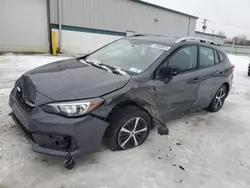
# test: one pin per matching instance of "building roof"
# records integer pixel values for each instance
(163, 8)
(209, 34)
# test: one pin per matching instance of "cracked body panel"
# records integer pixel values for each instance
(141, 95)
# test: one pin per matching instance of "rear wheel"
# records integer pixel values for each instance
(218, 99)
(129, 127)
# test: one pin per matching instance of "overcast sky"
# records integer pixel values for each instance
(233, 12)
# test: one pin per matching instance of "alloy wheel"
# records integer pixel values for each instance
(132, 133)
(219, 99)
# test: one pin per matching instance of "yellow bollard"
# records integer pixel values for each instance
(53, 42)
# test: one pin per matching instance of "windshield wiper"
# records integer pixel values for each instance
(118, 70)
(97, 64)
(109, 68)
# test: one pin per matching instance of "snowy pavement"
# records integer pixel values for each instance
(204, 150)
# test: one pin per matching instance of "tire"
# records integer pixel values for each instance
(121, 134)
(219, 99)
(248, 73)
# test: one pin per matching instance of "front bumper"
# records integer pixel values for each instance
(56, 135)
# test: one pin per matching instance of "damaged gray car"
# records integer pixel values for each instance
(118, 93)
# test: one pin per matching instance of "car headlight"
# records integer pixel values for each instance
(73, 108)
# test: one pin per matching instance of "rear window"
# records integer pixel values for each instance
(221, 56)
(206, 57)
(217, 60)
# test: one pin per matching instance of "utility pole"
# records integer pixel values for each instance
(204, 27)
(233, 44)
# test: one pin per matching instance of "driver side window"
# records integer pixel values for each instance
(185, 58)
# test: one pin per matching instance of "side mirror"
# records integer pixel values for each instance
(174, 71)
(169, 72)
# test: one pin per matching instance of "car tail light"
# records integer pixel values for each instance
(232, 68)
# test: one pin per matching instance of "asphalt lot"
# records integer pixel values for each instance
(204, 150)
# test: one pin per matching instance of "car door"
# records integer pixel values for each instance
(178, 94)
(208, 76)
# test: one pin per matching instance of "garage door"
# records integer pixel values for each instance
(23, 26)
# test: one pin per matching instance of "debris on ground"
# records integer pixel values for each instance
(181, 167)
(170, 149)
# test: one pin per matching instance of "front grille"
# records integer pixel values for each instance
(20, 125)
(23, 104)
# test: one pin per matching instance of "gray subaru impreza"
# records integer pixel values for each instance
(118, 93)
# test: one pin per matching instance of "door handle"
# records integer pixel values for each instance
(196, 79)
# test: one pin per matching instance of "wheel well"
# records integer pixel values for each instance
(227, 87)
(127, 103)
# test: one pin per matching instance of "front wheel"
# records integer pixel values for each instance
(218, 99)
(129, 127)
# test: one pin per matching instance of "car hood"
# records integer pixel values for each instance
(70, 80)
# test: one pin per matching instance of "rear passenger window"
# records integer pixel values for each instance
(206, 57)
(216, 57)
(221, 56)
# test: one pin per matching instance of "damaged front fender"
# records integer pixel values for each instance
(142, 96)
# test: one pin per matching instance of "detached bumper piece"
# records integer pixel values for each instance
(50, 142)
(53, 142)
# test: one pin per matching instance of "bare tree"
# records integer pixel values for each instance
(221, 33)
(240, 39)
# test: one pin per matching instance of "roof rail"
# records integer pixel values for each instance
(138, 35)
(183, 39)
(145, 34)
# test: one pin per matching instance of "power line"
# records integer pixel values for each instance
(232, 25)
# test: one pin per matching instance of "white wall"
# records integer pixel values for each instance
(123, 15)
(74, 42)
(23, 26)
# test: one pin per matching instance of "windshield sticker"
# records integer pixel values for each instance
(161, 47)
(132, 69)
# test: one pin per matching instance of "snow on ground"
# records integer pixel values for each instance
(214, 150)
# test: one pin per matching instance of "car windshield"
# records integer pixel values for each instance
(130, 55)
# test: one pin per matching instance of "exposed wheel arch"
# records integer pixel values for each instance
(125, 104)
